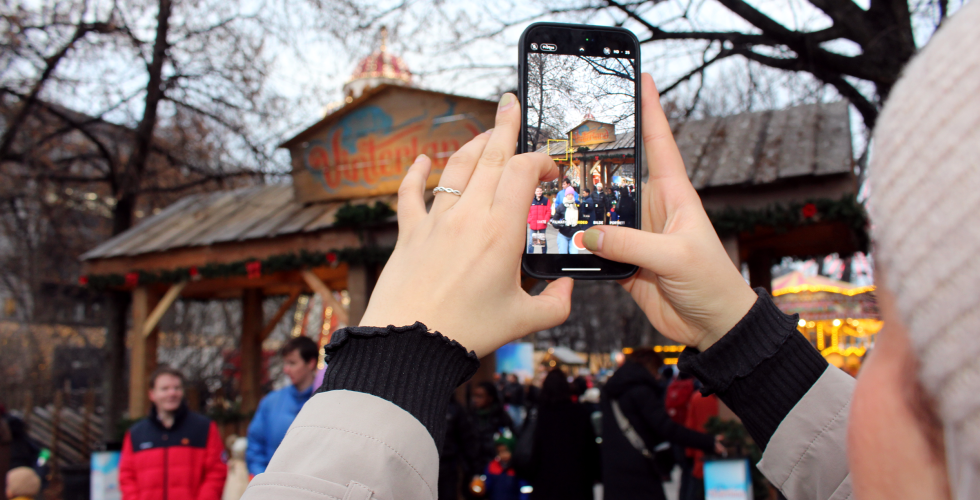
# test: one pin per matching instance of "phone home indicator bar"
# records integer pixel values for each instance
(581, 269)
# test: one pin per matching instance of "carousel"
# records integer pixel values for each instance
(841, 319)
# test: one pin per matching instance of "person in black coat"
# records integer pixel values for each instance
(626, 207)
(458, 451)
(627, 474)
(565, 459)
(487, 419)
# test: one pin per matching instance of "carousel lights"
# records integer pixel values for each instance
(802, 323)
(850, 292)
(850, 351)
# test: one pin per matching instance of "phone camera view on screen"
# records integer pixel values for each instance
(581, 111)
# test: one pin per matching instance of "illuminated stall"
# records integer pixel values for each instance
(840, 319)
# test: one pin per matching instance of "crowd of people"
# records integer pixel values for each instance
(572, 211)
(569, 436)
(559, 436)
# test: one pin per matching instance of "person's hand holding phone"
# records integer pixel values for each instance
(687, 285)
(457, 267)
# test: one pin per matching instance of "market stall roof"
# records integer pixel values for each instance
(623, 141)
(566, 355)
(251, 213)
(797, 282)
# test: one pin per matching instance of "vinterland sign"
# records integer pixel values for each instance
(366, 150)
(592, 132)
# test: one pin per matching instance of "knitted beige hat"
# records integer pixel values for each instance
(925, 206)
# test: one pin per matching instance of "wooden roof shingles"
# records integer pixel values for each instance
(760, 148)
(226, 216)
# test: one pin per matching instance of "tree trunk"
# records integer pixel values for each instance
(128, 186)
(115, 388)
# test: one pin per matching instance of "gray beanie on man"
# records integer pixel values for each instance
(925, 209)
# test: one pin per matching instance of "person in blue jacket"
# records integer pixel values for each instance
(278, 408)
(566, 187)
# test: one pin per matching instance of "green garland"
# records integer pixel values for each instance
(269, 265)
(731, 221)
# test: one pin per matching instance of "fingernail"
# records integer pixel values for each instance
(488, 131)
(419, 157)
(593, 239)
(506, 101)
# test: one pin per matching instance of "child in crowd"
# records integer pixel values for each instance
(22, 484)
(502, 482)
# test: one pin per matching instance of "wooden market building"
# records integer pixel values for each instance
(327, 232)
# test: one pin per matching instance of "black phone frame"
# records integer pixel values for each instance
(549, 266)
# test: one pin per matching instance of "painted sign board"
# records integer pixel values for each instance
(592, 132)
(365, 148)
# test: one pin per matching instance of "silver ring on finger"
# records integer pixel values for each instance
(441, 189)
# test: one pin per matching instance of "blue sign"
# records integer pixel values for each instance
(104, 484)
(516, 357)
(727, 480)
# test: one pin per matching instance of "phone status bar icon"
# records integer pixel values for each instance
(534, 46)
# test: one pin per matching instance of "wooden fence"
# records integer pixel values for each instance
(70, 434)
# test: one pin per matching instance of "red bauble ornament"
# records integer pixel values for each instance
(132, 279)
(809, 210)
(83, 280)
(194, 273)
(254, 269)
(331, 258)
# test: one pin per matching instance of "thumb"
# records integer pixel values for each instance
(551, 307)
(648, 250)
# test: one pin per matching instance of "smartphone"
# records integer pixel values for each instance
(580, 96)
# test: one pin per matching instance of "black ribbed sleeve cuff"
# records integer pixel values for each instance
(760, 369)
(409, 366)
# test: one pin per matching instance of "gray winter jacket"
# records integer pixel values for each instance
(362, 439)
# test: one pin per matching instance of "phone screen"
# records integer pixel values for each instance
(580, 89)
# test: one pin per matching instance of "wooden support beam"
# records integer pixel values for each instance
(142, 352)
(760, 269)
(283, 309)
(326, 294)
(731, 247)
(251, 348)
(161, 308)
(360, 283)
(613, 171)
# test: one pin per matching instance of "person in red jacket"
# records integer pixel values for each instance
(537, 220)
(699, 410)
(173, 453)
(678, 396)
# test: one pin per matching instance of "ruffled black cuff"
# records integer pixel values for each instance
(409, 366)
(760, 369)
